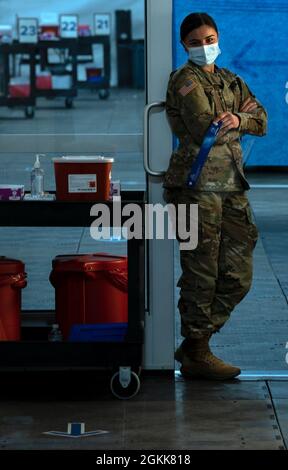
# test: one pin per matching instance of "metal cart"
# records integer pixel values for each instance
(8, 54)
(99, 82)
(123, 359)
(66, 66)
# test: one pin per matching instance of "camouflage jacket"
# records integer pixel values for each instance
(194, 98)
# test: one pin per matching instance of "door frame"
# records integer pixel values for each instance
(158, 145)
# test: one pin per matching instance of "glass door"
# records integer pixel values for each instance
(256, 335)
(86, 104)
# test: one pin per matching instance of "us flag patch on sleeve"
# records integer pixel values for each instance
(188, 86)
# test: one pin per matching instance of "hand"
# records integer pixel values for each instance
(248, 105)
(229, 120)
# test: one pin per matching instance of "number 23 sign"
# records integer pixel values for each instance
(28, 30)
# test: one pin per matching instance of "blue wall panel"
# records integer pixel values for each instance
(253, 40)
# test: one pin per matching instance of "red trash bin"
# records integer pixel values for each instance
(90, 289)
(12, 280)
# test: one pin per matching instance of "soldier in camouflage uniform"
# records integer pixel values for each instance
(218, 273)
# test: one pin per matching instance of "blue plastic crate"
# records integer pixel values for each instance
(95, 79)
(101, 332)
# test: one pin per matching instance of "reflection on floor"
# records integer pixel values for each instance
(121, 112)
(119, 118)
(166, 414)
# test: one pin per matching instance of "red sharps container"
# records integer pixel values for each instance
(12, 280)
(90, 289)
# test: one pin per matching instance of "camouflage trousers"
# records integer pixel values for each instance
(217, 274)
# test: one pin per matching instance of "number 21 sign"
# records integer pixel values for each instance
(102, 24)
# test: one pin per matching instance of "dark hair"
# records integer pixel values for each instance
(195, 20)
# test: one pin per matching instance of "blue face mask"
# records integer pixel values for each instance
(204, 55)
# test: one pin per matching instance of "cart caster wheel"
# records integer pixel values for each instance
(125, 384)
(68, 103)
(29, 112)
(103, 94)
(137, 370)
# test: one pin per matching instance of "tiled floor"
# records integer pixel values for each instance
(166, 414)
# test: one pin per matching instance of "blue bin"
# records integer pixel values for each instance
(100, 332)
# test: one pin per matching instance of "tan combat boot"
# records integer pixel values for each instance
(198, 361)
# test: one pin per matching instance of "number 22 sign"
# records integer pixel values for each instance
(68, 26)
(28, 30)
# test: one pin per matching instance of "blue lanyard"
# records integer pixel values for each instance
(207, 144)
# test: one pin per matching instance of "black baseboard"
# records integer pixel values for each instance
(266, 169)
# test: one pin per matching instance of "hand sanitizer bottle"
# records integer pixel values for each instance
(37, 179)
(55, 334)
